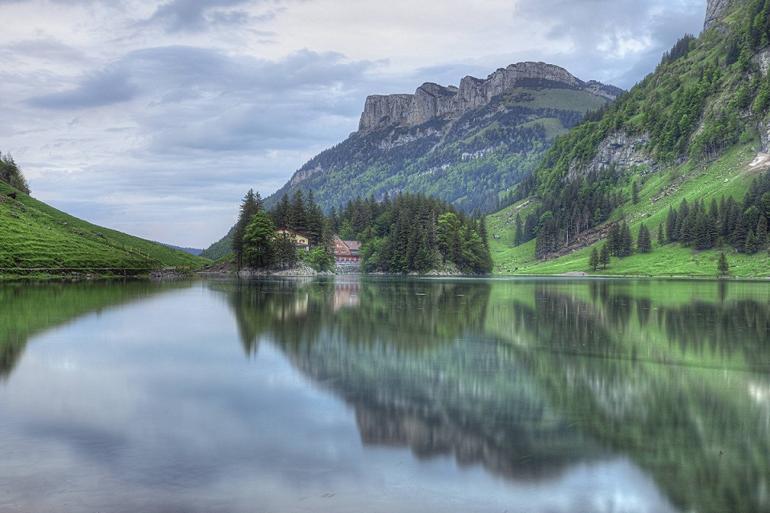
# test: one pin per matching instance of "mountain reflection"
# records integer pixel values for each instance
(530, 378)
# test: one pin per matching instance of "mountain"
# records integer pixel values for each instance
(189, 251)
(463, 144)
(696, 129)
(38, 239)
(467, 145)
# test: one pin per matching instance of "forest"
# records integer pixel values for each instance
(406, 234)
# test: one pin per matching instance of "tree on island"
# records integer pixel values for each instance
(250, 206)
(722, 266)
(259, 242)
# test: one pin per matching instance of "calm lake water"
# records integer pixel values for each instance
(355, 396)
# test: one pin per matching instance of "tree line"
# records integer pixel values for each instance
(409, 233)
(742, 225)
(261, 241)
(414, 233)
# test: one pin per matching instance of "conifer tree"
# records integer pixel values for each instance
(250, 206)
(635, 192)
(604, 256)
(593, 261)
(723, 267)
(661, 236)
(643, 243)
(762, 232)
(519, 236)
(259, 242)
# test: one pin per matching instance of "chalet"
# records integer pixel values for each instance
(300, 241)
(347, 251)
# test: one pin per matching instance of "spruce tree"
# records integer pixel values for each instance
(604, 256)
(519, 236)
(661, 236)
(762, 232)
(643, 243)
(593, 261)
(752, 245)
(723, 268)
(671, 225)
(635, 192)
(250, 206)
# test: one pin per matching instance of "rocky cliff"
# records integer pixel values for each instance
(715, 11)
(432, 101)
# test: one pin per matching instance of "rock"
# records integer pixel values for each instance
(715, 12)
(762, 60)
(620, 150)
(433, 101)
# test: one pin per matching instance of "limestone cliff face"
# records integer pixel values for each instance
(715, 11)
(432, 101)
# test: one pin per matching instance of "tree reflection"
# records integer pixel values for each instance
(29, 309)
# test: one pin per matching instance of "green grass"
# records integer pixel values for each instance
(729, 177)
(36, 239)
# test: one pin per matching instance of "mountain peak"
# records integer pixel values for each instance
(432, 101)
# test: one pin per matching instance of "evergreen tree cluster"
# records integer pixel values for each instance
(414, 233)
(579, 205)
(11, 174)
(744, 225)
(258, 244)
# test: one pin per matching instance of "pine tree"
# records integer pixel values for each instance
(604, 256)
(762, 232)
(250, 206)
(643, 243)
(593, 261)
(519, 236)
(752, 245)
(661, 236)
(672, 228)
(282, 212)
(723, 268)
(635, 192)
(297, 219)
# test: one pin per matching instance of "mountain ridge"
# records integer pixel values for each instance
(468, 145)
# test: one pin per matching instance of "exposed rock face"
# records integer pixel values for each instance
(715, 11)
(619, 150)
(432, 101)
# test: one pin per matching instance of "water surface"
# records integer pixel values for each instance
(384, 396)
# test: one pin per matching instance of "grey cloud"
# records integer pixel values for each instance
(196, 15)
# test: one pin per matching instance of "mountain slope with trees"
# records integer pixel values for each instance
(469, 146)
(696, 129)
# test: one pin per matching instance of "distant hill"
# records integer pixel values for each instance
(696, 129)
(467, 145)
(36, 238)
(189, 251)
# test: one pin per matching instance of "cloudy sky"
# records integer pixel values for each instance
(154, 117)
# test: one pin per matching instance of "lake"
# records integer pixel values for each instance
(375, 395)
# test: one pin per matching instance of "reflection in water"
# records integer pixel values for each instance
(581, 395)
(27, 309)
(529, 378)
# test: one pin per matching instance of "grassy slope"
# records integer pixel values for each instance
(34, 235)
(729, 176)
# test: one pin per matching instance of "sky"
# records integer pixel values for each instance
(155, 117)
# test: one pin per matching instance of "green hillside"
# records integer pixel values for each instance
(730, 176)
(38, 239)
(695, 129)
